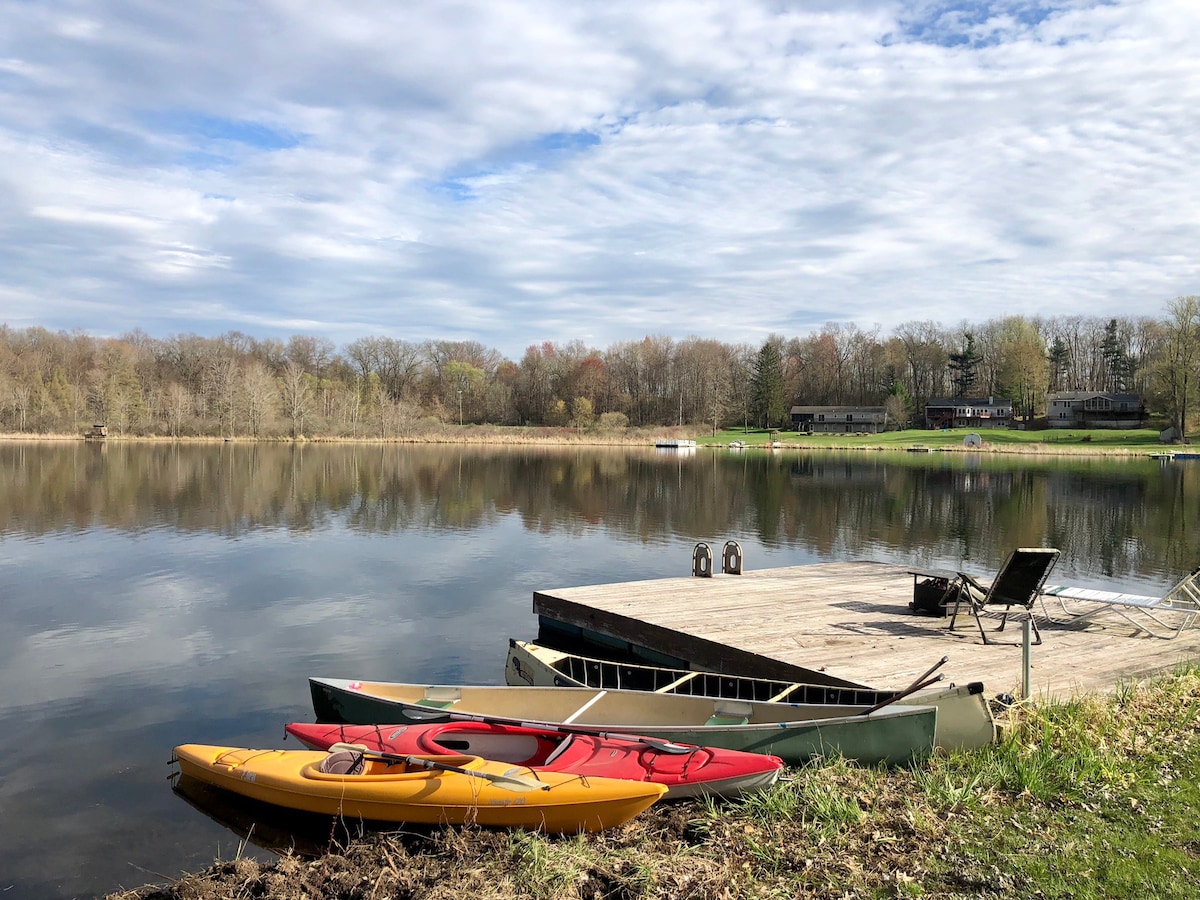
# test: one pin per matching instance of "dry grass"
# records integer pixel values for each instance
(475, 434)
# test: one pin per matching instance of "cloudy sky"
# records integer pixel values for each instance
(518, 171)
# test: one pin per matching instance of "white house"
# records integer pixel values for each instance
(967, 412)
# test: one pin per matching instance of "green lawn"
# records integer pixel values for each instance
(1139, 439)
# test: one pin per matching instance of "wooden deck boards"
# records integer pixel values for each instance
(850, 621)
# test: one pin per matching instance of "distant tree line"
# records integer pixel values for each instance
(236, 385)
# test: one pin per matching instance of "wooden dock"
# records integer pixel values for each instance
(848, 623)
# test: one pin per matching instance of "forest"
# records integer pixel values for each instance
(236, 385)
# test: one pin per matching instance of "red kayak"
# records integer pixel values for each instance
(686, 770)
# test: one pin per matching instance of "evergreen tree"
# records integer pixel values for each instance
(1117, 363)
(963, 366)
(770, 403)
(1059, 358)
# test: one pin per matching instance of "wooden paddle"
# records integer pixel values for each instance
(911, 689)
(508, 782)
(920, 678)
(653, 743)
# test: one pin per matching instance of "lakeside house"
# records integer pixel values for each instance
(966, 412)
(1095, 409)
(839, 419)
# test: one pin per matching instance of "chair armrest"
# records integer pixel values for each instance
(932, 573)
(967, 579)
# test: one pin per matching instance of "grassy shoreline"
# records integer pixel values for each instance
(1091, 798)
(1052, 441)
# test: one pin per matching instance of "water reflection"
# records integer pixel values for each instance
(155, 594)
(267, 827)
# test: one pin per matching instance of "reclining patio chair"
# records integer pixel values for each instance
(1018, 584)
(1148, 615)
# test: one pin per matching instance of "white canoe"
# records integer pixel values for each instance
(964, 720)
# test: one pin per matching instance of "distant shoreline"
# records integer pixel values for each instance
(516, 436)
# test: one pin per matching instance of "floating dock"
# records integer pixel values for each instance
(843, 623)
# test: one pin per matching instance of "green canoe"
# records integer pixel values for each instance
(795, 732)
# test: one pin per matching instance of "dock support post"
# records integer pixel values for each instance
(1026, 658)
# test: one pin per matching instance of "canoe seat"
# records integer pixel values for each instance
(726, 712)
(440, 697)
(727, 720)
(343, 762)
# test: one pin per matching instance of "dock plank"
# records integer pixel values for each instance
(849, 623)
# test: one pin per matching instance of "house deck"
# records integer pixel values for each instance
(847, 623)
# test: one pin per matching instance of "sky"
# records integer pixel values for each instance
(518, 171)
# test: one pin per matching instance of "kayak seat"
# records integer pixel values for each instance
(343, 762)
(558, 751)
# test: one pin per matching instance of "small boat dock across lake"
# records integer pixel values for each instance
(843, 623)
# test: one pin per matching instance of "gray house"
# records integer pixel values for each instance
(1095, 409)
(839, 419)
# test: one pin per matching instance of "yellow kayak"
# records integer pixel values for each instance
(431, 790)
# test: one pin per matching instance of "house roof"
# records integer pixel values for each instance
(1124, 397)
(969, 401)
(837, 409)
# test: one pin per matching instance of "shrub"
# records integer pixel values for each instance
(613, 421)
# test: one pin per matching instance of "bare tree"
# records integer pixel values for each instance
(925, 356)
(220, 391)
(257, 397)
(177, 406)
(1179, 363)
(19, 395)
(295, 393)
(1022, 370)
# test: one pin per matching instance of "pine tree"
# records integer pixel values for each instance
(1059, 358)
(770, 404)
(1118, 366)
(963, 366)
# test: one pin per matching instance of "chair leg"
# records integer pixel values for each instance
(1037, 634)
(983, 633)
(957, 603)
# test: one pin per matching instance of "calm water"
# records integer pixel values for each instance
(157, 595)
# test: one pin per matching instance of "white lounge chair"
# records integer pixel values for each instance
(1146, 614)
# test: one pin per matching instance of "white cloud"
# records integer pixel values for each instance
(526, 171)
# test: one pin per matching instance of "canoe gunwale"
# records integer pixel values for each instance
(893, 734)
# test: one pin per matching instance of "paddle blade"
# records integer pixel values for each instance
(665, 746)
(506, 780)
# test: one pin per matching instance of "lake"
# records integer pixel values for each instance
(158, 594)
